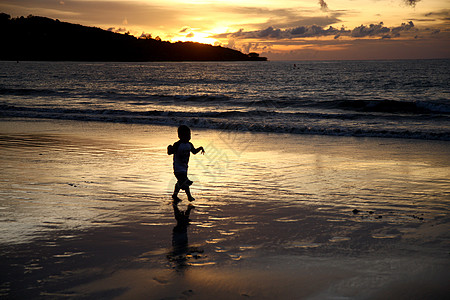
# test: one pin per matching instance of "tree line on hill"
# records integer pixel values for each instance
(45, 39)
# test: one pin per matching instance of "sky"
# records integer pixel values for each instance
(279, 30)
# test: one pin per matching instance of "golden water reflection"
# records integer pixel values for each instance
(74, 175)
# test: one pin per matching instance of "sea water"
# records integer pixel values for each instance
(401, 99)
(86, 210)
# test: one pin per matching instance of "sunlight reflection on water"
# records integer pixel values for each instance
(79, 175)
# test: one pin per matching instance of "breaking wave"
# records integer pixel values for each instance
(252, 120)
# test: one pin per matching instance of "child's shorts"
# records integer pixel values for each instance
(183, 180)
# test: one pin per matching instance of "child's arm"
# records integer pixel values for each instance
(170, 150)
(195, 151)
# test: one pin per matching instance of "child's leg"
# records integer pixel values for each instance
(175, 192)
(188, 193)
(176, 189)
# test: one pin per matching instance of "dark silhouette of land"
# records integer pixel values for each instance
(44, 39)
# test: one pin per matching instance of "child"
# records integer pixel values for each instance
(181, 151)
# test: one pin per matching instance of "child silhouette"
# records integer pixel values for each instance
(181, 151)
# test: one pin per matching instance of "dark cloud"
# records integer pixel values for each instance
(267, 33)
(380, 30)
(145, 36)
(423, 20)
(411, 2)
(117, 30)
(330, 19)
(372, 30)
(443, 15)
(184, 29)
(270, 32)
(249, 47)
(362, 49)
(317, 31)
(284, 18)
(404, 27)
(323, 5)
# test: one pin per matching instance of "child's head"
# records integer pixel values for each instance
(184, 133)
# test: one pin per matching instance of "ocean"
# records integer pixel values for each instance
(399, 99)
(321, 180)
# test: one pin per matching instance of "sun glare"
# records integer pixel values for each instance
(198, 37)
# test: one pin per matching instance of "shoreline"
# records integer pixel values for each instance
(232, 127)
(88, 212)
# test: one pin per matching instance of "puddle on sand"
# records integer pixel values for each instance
(303, 245)
(223, 232)
(215, 241)
(235, 256)
(155, 224)
(220, 250)
(246, 223)
(202, 264)
(384, 236)
(67, 254)
(286, 220)
(203, 224)
(337, 239)
(247, 247)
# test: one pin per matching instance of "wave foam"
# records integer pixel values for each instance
(253, 121)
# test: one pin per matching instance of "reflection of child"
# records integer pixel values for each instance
(180, 237)
(181, 151)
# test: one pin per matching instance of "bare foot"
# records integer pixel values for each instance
(176, 199)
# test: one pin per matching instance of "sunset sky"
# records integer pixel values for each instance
(280, 30)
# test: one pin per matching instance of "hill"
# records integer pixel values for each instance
(44, 39)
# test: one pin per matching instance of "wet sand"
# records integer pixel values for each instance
(86, 214)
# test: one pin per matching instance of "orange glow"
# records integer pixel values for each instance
(199, 37)
(246, 26)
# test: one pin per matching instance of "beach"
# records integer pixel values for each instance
(86, 213)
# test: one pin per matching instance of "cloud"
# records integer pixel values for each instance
(105, 13)
(185, 29)
(231, 44)
(118, 30)
(310, 31)
(360, 49)
(371, 30)
(269, 32)
(323, 5)
(145, 35)
(317, 31)
(247, 48)
(284, 18)
(443, 15)
(411, 2)
(404, 27)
